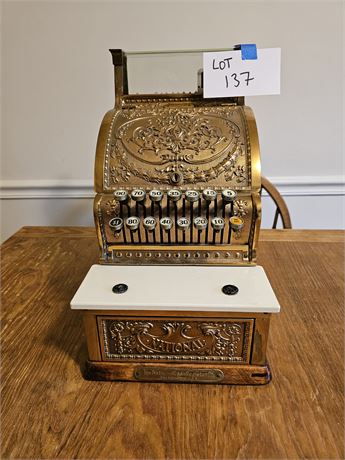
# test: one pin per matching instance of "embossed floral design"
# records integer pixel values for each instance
(241, 208)
(239, 174)
(184, 145)
(226, 337)
(112, 207)
(119, 173)
(177, 329)
(190, 340)
(124, 335)
(178, 132)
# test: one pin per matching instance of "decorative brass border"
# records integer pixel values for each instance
(162, 255)
(103, 140)
(253, 148)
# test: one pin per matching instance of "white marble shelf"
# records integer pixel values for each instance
(176, 288)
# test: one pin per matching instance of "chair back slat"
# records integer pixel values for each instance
(282, 209)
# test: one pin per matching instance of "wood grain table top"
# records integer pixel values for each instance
(50, 411)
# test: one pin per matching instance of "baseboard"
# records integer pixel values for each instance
(45, 189)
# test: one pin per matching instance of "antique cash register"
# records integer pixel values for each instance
(177, 295)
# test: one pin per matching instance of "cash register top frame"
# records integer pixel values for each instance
(190, 101)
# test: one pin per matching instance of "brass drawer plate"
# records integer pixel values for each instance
(170, 339)
(176, 374)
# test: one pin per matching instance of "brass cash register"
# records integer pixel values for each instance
(177, 295)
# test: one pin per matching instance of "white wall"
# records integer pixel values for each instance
(57, 82)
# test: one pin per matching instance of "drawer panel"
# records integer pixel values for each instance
(175, 339)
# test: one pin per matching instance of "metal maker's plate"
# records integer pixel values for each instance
(175, 374)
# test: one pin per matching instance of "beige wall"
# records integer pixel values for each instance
(57, 83)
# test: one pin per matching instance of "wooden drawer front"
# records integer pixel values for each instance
(175, 339)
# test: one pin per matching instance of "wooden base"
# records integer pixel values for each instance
(177, 335)
(234, 374)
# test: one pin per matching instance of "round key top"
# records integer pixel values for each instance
(174, 194)
(132, 223)
(138, 195)
(156, 195)
(116, 224)
(229, 195)
(236, 222)
(150, 223)
(192, 195)
(166, 223)
(217, 223)
(200, 223)
(183, 223)
(209, 194)
(120, 195)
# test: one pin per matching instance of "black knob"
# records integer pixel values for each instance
(120, 288)
(230, 289)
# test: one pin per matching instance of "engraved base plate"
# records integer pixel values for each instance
(181, 373)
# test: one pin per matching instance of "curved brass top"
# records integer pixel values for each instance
(177, 143)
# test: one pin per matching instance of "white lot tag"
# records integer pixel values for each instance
(226, 74)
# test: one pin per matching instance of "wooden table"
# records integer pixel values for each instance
(50, 411)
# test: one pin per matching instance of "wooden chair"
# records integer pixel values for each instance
(282, 209)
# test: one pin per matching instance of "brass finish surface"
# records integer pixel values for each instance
(177, 146)
(192, 339)
(176, 374)
(146, 338)
(185, 143)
